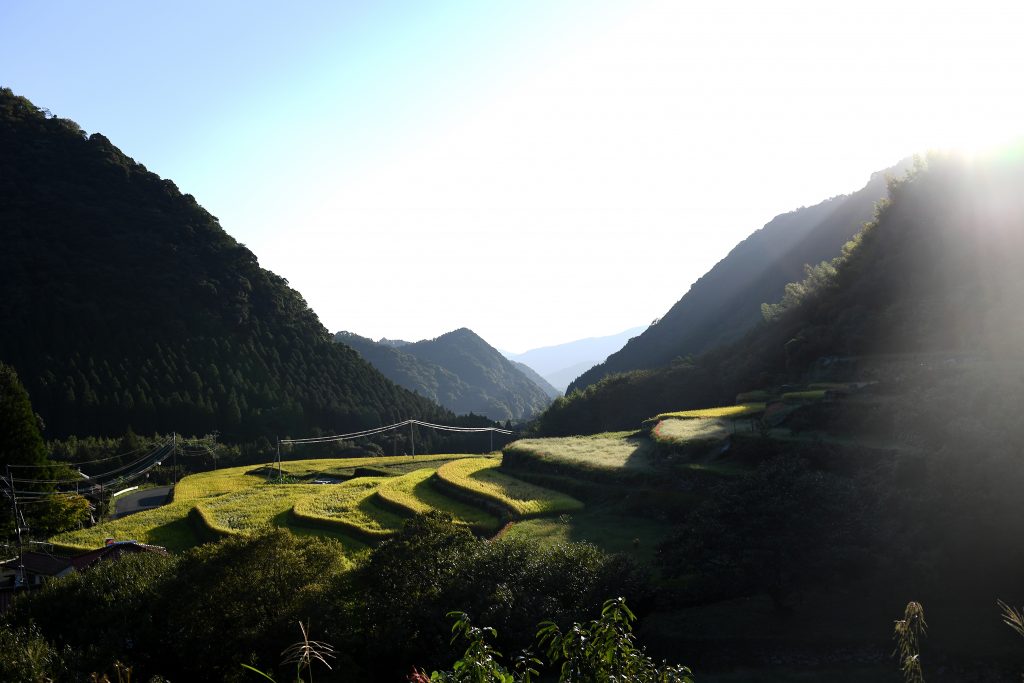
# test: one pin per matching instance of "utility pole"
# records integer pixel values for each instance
(174, 456)
(412, 439)
(490, 432)
(394, 447)
(20, 578)
(280, 477)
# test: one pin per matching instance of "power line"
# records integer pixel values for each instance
(397, 425)
(93, 477)
(54, 462)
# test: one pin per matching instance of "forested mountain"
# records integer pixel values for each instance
(560, 364)
(534, 377)
(939, 271)
(726, 302)
(124, 303)
(459, 370)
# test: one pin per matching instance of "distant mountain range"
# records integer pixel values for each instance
(560, 364)
(460, 371)
(726, 302)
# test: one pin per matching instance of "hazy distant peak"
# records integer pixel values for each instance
(393, 343)
(458, 369)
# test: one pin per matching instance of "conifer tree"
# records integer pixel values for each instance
(20, 441)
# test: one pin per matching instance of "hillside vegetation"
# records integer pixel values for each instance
(460, 371)
(355, 508)
(726, 302)
(938, 271)
(126, 304)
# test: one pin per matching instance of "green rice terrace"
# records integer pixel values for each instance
(616, 489)
(357, 500)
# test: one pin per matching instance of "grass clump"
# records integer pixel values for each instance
(479, 478)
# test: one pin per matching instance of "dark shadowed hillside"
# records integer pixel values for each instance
(460, 371)
(124, 303)
(726, 302)
(534, 377)
(940, 271)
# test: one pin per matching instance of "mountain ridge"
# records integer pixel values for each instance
(155, 318)
(459, 370)
(726, 301)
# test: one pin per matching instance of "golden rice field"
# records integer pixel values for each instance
(809, 395)
(739, 410)
(241, 500)
(680, 431)
(249, 509)
(609, 451)
(166, 526)
(479, 478)
(350, 507)
(415, 493)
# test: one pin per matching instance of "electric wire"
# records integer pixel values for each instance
(397, 425)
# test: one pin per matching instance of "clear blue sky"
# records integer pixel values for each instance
(536, 171)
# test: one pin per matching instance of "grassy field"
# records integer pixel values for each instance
(358, 511)
(809, 395)
(217, 482)
(478, 478)
(636, 537)
(165, 526)
(740, 410)
(350, 507)
(608, 451)
(251, 509)
(414, 493)
(239, 500)
(698, 429)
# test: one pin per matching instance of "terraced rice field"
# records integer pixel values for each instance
(350, 507)
(677, 431)
(740, 410)
(809, 395)
(416, 492)
(608, 451)
(250, 509)
(165, 526)
(363, 509)
(479, 478)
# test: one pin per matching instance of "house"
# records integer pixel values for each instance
(40, 567)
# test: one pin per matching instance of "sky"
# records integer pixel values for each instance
(537, 171)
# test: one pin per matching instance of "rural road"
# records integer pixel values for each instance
(137, 501)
